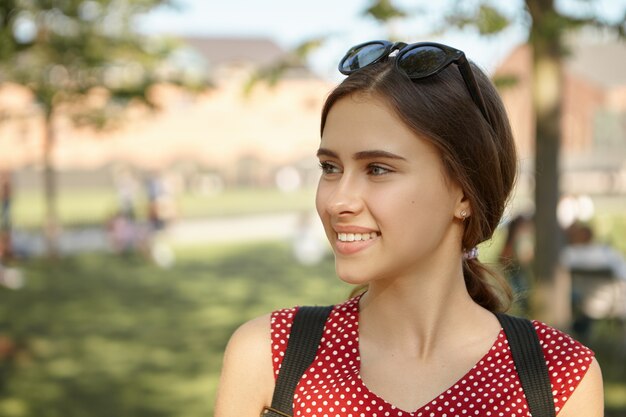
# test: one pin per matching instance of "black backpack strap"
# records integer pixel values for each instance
(304, 339)
(530, 364)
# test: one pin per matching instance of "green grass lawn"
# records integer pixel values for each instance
(99, 335)
(95, 206)
(102, 335)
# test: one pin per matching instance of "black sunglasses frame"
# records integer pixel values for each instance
(452, 55)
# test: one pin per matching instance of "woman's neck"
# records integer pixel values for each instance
(421, 314)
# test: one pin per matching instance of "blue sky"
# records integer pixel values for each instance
(289, 22)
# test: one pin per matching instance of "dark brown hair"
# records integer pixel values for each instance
(480, 157)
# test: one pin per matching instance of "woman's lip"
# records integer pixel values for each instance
(353, 229)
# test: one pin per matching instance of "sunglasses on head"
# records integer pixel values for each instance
(416, 60)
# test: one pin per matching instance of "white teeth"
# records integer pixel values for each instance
(351, 237)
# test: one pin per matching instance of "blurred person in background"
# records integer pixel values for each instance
(125, 233)
(161, 212)
(598, 278)
(127, 187)
(516, 258)
(6, 196)
(583, 252)
(418, 161)
(10, 277)
(161, 202)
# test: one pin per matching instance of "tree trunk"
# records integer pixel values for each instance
(51, 223)
(547, 92)
(549, 302)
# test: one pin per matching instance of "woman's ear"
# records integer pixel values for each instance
(463, 208)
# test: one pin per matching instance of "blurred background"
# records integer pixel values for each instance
(158, 171)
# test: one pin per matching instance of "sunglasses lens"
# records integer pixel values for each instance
(422, 61)
(361, 57)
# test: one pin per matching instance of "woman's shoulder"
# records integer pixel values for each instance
(246, 370)
(567, 359)
(561, 348)
(249, 340)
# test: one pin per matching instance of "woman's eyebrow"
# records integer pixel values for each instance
(373, 154)
(327, 152)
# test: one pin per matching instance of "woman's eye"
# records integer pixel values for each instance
(328, 168)
(377, 170)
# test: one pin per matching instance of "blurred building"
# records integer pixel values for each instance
(242, 132)
(594, 115)
(253, 136)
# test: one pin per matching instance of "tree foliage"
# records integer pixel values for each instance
(63, 50)
(383, 11)
(488, 20)
(83, 60)
(273, 72)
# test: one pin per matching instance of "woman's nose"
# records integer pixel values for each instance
(345, 198)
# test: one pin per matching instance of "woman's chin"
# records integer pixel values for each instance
(353, 277)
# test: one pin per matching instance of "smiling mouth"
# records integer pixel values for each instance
(356, 237)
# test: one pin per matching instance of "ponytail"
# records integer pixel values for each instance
(486, 286)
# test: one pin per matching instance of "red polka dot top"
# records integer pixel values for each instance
(332, 386)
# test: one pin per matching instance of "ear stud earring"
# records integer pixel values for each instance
(463, 214)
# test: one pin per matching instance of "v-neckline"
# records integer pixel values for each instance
(453, 386)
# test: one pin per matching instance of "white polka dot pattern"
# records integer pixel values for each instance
(332, 386)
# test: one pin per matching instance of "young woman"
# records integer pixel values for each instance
(417, 162)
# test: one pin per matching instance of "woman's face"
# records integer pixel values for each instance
(387, 208)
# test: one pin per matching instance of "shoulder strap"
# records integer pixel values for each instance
(530, 364)
(306, 332)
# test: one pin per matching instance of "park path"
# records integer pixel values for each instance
(275, 226)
